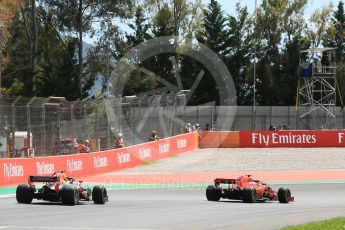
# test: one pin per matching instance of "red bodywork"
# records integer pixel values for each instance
(236, 186)
(55, 183)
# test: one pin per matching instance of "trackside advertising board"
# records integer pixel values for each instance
(292, 138)
(17, 170)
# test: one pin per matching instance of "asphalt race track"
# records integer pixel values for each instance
(177, 208)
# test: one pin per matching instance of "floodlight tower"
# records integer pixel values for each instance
(317, 88)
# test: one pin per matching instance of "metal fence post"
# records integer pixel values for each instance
(13, 129)
(289, 114)
(29, 128)
(211, 119)
(197, 114)
(270, 114)
(108, 134)
(296, 119)
(343, 118)
(13, 124)
(58, 126)
(86, 134)
(132, 110)
(43, 137)
(72, 120)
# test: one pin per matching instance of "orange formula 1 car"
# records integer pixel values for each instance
(59, 188)
(246, 189)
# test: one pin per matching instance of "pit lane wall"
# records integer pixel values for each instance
(272, 139)
(17, 170)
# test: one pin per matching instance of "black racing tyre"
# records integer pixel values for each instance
(99, 194)
(284, 195)
(213, 193)
(69, 195)
(24, 194)
(249, 195)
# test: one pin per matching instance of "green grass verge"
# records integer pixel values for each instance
(150, 162)
(331, 224)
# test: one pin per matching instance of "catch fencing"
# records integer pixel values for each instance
(48, 123)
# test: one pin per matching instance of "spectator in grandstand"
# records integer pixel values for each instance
(208, 128)
(154, 136)
(285, 127)
(198, 129)
(119, 143)
(87, 147)
(188, 128)
(272, 128)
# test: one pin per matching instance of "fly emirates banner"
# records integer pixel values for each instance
(292, 138)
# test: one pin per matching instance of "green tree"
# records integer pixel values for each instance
(167, 18)
(241, 47)
(58, 75)
(339, 24)
(140, 26)
(214, 35)
(335, 36)
(268, 36)
(294, 42)
(278, 35)
(175, 17)
(54, 64)
(318, 23)
(76, 18)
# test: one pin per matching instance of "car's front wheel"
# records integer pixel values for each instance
(284, 195)
(99, 194)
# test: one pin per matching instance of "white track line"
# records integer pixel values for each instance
(7, 196)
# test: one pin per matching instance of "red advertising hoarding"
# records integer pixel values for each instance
(292, 138)
(17, 170)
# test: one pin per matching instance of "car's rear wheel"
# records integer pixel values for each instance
(249, 195)
(69, 195)
(99, 194)
(213, 193)
(24, 194)
(284, 195)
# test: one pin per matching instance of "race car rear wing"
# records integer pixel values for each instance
(42, 179)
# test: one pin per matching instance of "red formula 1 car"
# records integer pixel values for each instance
(59, 187)
(246, 189)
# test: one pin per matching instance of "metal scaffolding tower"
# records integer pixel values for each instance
(317, 88)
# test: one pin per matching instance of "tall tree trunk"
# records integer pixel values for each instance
(80, 46)
(34, 46)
